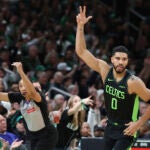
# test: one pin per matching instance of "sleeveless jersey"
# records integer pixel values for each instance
(121, 106)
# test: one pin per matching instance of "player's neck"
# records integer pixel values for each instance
(118, 76)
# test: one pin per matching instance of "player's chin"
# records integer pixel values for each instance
(121, 70)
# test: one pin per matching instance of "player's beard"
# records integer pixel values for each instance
(119, 71)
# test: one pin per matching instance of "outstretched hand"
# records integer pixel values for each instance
(16, 144)
(18, 66)
(88, 101)
(81, 17)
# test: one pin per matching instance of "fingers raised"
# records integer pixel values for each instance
(82, 10)
(90, 17)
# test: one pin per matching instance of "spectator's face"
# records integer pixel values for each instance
(16, 106)
(75, 91)
(15, 87)
(33, 51)
(143, 107)
(43, 78)
(58, 77)
(85, 129)
(20, 126)
(69, 55)
(3, 124)
(76, 100)
(119, 61)
(60, 100)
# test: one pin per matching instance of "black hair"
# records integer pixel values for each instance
(120, 48)
(3, 110)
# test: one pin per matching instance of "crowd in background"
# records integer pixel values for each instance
(41, 34)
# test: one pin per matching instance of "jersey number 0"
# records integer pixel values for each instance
(114, 103)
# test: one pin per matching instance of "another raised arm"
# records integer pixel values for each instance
(98, 65)
(32, 93)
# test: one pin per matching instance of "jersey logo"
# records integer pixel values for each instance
(121, 86)
(31, 110)
(72, 126)
(110, 79)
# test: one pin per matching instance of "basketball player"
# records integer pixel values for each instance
(121, 89)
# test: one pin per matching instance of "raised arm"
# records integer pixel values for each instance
(32, 93)
(77, 106)
(99, 66)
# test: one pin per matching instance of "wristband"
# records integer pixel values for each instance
(84, 107)
(82, 104)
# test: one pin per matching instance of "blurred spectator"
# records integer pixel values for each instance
(85, 130)
(57, 83)
(98, 131)
(14, 87)
(32, 59)
(71, 121)
(19, 129)
(42, 78)
(144, 131)
(145, 72)
(142, 107)
(59, 101)
(7, 136)
(14, 146)
(51, 59)
(73, 89)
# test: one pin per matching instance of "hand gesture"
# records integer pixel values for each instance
(88, 101)
(18, 66)
(81, 17)
(16, 144)
(131, 129)
(4, 144)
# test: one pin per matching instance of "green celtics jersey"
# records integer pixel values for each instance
(121, 106)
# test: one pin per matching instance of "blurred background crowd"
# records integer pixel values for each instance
(41, 34)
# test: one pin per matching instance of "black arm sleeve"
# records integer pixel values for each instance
(15, 97)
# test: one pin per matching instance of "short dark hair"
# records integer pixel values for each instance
(120, 48)
(3, 110)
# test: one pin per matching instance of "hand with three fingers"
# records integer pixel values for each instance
(81, 17)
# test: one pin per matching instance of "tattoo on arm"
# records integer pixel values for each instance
(134, 77)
